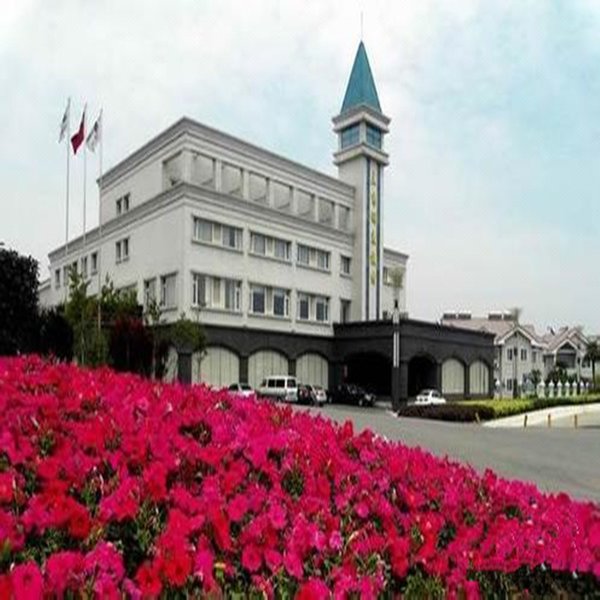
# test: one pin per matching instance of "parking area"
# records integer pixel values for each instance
(555, 459)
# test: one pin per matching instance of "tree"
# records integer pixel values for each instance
(188, 337)
(593, 355)
(89, 341)
(18, 302)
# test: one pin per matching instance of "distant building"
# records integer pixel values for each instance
(520, 351)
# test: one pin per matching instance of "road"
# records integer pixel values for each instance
(556, 459)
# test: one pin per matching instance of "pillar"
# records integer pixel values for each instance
(403, 396)
(218, 175)
(243, 369)
(184, 367)
(292, 366)
(245, 184)
(438, 376)
(467, 390)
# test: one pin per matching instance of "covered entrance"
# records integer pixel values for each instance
(370, 370)
(422, 374)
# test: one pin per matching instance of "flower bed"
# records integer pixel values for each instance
(111, 484)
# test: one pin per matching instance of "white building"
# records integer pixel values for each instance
(520, 351)
(216, 227)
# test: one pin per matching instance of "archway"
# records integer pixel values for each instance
(218, 367)
(370, 370)
(313, 369)
(422, 374)
(453, 377)
(265, 363)
(479, 379)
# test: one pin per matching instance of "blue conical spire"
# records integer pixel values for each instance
(361, 87)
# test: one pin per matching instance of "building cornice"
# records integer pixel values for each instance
(187, 126)
(196, 193)
(395, 254)
(359, 150)
(359, 113)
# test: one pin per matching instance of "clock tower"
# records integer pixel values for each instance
(360, 158)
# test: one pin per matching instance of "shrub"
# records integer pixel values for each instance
(463, 413)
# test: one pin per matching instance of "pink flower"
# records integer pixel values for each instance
(251, 559)
(313, 589)
(293, 564)
(27, 583)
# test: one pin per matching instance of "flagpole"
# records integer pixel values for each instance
(101, 134)
(84, 186)
(68, 142)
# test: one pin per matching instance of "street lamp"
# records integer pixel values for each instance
(396, 356)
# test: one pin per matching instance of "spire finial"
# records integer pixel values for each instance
(361, 25)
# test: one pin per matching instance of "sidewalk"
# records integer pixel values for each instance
(588, 415)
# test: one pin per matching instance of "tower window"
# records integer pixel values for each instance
(373, 136)
(350, 136)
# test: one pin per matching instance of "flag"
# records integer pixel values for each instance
(64, 124)
(94, 136)
(79, 136)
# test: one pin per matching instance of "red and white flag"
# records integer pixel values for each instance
(93, 139)
(79, 137)
(64, 124)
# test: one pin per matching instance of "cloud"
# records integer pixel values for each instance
(491, 187)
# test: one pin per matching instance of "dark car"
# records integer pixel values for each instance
(304, 394)
(348, 393)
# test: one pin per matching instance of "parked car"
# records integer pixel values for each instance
(429, 397)
(304, 394)
(242, 390)
(279, 387)
(352, 394)
(318, 394)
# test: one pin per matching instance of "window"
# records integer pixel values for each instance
(322, 309)
(216, 292)
(259, 244)
(268, 246)
(323, 260)
(168, 291)
(149, 291)
(523, 354)
(94, 260)
(56, 278)
(313, 257)
(344, 311)
(509, 354)
(122, 250)
(122, 204)
(533, 356)
(345, 265)
(509, 384)
(280, 302)
(66, 275)
(216, 233)
(303, 307)
(232, 237)
(282, 249)
(303, 254)
(313, 308)
(350, 136)
(84, 267)
(257, 299)
(374, 136)
(232, 295)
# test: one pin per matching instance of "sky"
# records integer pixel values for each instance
(493, 182)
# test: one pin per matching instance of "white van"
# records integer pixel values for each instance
(279, 387)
